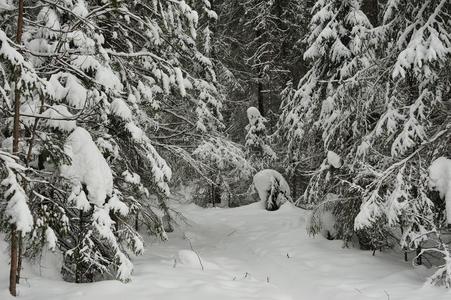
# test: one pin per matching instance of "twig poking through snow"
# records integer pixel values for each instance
(231, 233)
(192, 249)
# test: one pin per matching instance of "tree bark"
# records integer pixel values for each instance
(13, 268)
(13, 278)
(19, 23)
(419, 258)
(294, 186)
(261, 106)
(19, 258)
(137, 221)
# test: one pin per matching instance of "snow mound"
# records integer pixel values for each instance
(253, 114)
(88, 166)
(440, 180)
(189, 258)
(272, 188)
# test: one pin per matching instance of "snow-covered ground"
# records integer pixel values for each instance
(246, 253)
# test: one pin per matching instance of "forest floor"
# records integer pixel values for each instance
(246, 253)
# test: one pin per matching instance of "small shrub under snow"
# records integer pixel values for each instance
(272, 188)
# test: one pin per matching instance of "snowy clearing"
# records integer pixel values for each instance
(246, 253)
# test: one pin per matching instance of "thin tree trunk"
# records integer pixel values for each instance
(27, 164)
(419, 258)
(213, 194)
(13, 278)
(261, 106)
(13, 268)
(13, 275)
(136, 221)
(19, 23)
(19, 258)
(77, 253)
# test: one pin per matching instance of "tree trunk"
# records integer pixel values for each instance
(419, 258)
(136, 221)
(77, 253)
(13, 268)
(261, 106)
(293, 186)
(13, 276)
(19, 23)
(19, 258)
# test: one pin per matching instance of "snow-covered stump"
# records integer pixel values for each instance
(440, 180)
(272, 188)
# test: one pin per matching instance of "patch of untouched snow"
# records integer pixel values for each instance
(259, 255)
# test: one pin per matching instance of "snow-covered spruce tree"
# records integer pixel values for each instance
(413, 127)
(228, 172)
(18, 81)
(258, 150)
(255, 50)
(325, 112)
(90, 141)
(382, 111)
